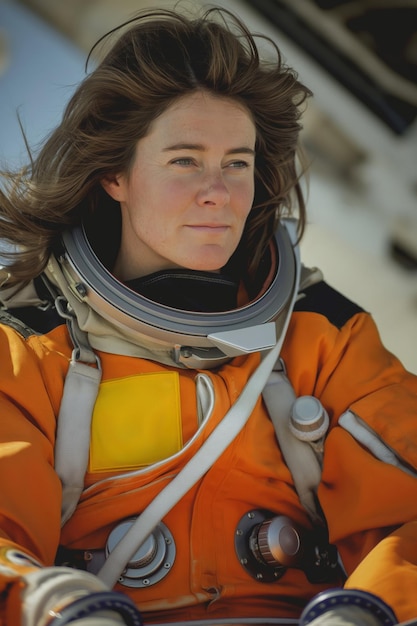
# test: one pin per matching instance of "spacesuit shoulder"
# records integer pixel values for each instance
(323, 299)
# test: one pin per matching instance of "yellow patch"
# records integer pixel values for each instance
(136, 422)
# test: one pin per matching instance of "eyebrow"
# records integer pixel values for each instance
(201, 148)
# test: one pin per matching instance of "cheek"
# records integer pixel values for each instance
(245, 196)
(167, 200)
(175, 192)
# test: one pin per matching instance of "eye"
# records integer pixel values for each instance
(183, 161)
(239, 165)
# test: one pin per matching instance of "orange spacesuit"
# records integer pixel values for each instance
(147, 423)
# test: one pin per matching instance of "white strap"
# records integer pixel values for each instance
(75, 413)
(299, 456)
(73, 431)
(368, 438)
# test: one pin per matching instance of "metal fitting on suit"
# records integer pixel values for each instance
(266, 544)
(151, 562)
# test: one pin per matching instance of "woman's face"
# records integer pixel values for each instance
(185, 200)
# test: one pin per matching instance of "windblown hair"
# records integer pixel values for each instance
(159, 57)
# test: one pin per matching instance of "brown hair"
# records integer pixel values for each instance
(160, 56)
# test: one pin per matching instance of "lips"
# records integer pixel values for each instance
(209, 227)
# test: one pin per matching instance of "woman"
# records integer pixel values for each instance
(152, 284)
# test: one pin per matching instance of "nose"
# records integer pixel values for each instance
(213, 191)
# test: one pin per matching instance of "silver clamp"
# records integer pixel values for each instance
(151, 562)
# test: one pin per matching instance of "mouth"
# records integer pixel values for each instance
(209, 227)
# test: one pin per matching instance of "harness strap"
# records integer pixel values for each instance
(299, 455)
(74, 420)
(370, 440)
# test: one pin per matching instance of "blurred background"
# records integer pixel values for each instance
(360, 131)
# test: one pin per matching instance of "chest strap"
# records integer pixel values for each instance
(74, 420)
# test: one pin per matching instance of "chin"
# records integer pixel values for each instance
(208, 265)
(204, 267)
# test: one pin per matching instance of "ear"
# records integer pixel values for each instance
(114, 185)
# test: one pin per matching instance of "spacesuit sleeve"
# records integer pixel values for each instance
(30, 491)
(368, 490)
